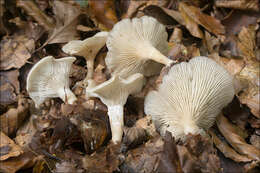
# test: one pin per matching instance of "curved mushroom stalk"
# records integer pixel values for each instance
(87, 48)
(49, 78)
(190, 97)
(113, 93)
(137, 46)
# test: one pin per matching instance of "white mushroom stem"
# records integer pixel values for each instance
(67, 95)
(90, 66)
(153, 54)
(116, 119)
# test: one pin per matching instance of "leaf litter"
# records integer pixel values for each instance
(76, 138)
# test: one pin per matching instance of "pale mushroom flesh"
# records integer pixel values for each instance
(137, 46)
(114, 93)
(49, 78)
(190, 97)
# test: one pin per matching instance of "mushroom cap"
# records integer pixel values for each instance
(190, 97)
(88, 47)
(131, 38)
(47, 77)
(116, 90)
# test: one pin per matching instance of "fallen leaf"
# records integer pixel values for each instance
(255, 140)
(15, 51)
(13, 118)
(33, 10)
(8, 148)
(236, 141)
(106, 160)
(66, 17)
(24, 161)
(104, 11)
(67, 167)
(190, 24)
(194, 16)
(227, 150)
(239, 4)
(247, 43)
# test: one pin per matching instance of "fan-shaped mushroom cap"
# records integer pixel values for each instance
(134, 46)
(190, 97)
(87, 48)
(113, 93)
(50, 78)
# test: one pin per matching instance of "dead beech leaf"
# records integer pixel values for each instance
(228, 151)
(8, 148)
(190, 24)
(66, 17)
(24, 161)
(13, 118)
(193, 15)
(239, 4)
(15, 51)
(247, 43)
(104, 12)
(31, 8)
(236, 141)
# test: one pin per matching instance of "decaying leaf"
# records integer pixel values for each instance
(228, 151)
(106, 160)
(236, 141)
(15, 51)
(13, 118)
(66, 17)
(194, 16)
(31, 8)
(104, 12)
(239, 4)
(24, 161)
(8, 148)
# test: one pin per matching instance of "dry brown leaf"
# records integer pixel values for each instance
(228, 151)
(175, 15)
(236, 141)
(66, 17)
(133, 7)
(255, 140)
(239, 4)
(13, 118)
(8, 148)
(193, 16)
(104, 12)
(11, 77)
(247, 43)
(24, 161)
(106, 160)
(31, 8)
(15, 51)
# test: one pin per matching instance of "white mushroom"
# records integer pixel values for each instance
(113, 93)
(137, 46)
(190, 97)
(87, 48)
(49, 78)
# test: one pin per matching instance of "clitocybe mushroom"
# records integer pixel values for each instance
(87, 48)
(49, 78)
(137, 46)
(190, 97)
(113, 93)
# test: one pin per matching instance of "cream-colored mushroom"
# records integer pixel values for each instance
(137, 46)
(87, 48)
(113, 93)
(49, 78)
(190, 97)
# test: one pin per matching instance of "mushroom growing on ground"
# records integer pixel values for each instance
(87, 48)
(190, 97)
(113, 93)
(137, 46)
(49, 78)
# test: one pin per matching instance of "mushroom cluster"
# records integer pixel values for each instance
(190, 97)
